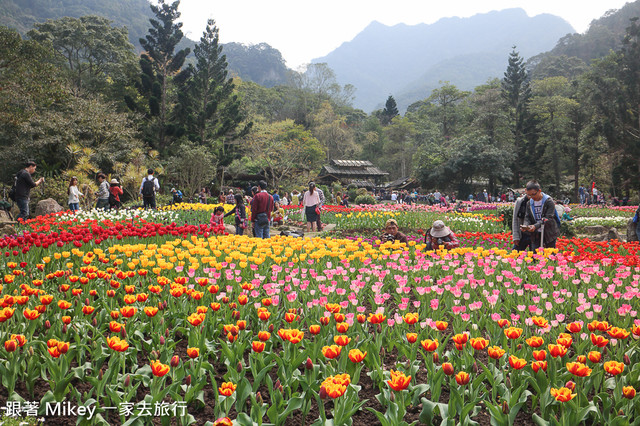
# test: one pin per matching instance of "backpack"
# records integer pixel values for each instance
(13, 190)
(112, 199)
(148, 188)
(177, 197)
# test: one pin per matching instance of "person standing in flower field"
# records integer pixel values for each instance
(103, 192)
(636, 220)
(541, 219)
(261, 208)
(322, 201)
(148, 189)
(74, 195)
(521, 240)
(23, 185)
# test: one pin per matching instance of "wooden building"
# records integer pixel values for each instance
(361, 173)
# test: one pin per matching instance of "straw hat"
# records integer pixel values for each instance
(439, 229)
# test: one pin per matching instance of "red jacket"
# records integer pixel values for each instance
(261, 203)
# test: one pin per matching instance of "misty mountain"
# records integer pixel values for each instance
(407, 61)
(260, 63)
(603, 35)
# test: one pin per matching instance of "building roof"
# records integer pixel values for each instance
(348, 171)
(352, 163)
(404, 182)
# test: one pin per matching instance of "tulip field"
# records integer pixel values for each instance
(159, 318)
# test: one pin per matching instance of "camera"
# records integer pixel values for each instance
(440, 242)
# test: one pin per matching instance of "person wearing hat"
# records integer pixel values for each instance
(115, 191)
(440, 236)
(177, 195)
(391, 232)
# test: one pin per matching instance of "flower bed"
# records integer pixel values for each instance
(136, 314)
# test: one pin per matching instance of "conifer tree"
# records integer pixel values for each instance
(159, 62)
(517, 94)
(389, 112)
(208, 108)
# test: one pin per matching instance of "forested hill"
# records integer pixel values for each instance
(409, 61)
(604, 35)
(261, 63)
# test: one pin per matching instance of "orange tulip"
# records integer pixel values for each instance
(578, 369)
(128, 311)
(264, 314)
(479, 343)
(540, 355)
(150, 311)
(332, 351)
(496, 352)
(30, 314)
(538, 365)
(502, 322)
(356, 355)
(565, 340)
(63, 304)
(342, 327)
(314, 329)
(20, 339)
(196, 319)
(411, 318)
(339, 317)
(430, 345)
(557, 350)
(10, 345)
(296, 336)
(447, 367)
(227, 389)
(376, 318)
(412, 337)
(117, 344)
(618, 333)
(599, 341)
(629, 392)
(613, 367)
(88, 310)
(513, 332)
(562, 394)
(66, 320)
(582, 359)
(289, 317)
(442, 325)
(54, 352)
(399, 381)
(335, 386)
(263, 336)
(540, 322)
(594, 356)
(159, 369)
(598, 325)
(517, 363)
(193, 352)
(462, 378)
(341, 340)
(574, 327)
(535, 341)
(257, 346)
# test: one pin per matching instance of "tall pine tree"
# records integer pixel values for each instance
(517, 94)
(207, 106)
(159, 62)
(389, 112)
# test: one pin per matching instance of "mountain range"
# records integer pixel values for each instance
(408, 61)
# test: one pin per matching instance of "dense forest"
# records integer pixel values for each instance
(79, 98)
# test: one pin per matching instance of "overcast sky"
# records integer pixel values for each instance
(303, 29)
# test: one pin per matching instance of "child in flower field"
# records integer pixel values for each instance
(217, 218)
(278, 214)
